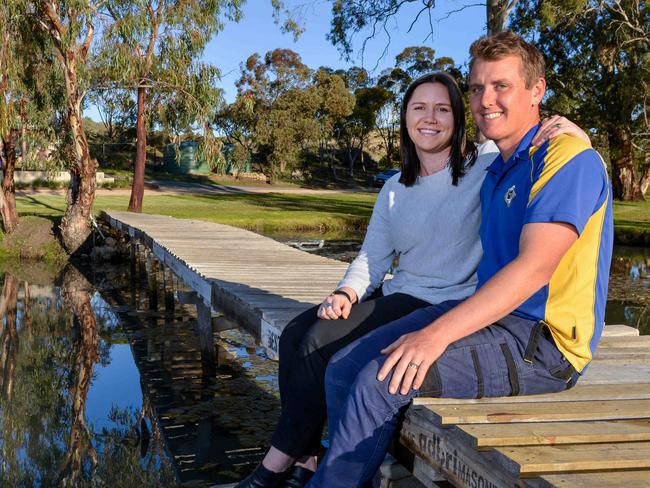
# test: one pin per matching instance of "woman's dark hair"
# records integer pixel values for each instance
(463, 151)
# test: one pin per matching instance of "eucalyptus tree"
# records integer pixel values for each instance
(70, 28)
(277, 110)
(599, 75)
(116, 110)
(353, 132)
(9, 104)
(153, 48)
(13, 102)
(334, 104)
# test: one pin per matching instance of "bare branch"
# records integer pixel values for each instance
(451, 12)
(426, 7)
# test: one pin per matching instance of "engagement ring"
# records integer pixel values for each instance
(414, 366)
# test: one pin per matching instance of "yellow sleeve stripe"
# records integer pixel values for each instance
(561, 150)
(570, 306)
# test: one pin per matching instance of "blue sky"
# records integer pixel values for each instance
(256, 32)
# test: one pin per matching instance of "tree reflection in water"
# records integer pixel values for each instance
(76, 292)
(9, 336)
(49, 345)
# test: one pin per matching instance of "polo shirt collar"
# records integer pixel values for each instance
(521, 153)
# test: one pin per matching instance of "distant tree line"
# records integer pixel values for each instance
(140, 63)
(289, 117)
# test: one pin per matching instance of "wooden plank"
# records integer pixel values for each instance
(623, 342)
(603, 373)
(532, 461)
(619, 330)
(580, 392)
(543, 412)
(628, 479)
(627, 352)
(484, 436)
(452, 457)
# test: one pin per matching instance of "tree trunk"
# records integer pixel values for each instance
(8, 197)
(75, 224)
(645, 177)
(137, 190)
(497, 14)
(626, 184)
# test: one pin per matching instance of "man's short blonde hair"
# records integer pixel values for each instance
(507, 43)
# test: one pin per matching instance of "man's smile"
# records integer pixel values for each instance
(492, 115)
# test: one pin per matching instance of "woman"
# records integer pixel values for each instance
(426, 217)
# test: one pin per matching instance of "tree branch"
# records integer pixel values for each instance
(451, 12)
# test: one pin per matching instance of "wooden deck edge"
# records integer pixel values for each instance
(450, 456)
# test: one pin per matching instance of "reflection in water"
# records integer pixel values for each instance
(49, 347)
(629, 288)
(76, 292)
(9, 337)
(104, 383)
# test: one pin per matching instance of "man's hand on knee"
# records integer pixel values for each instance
(410, 357)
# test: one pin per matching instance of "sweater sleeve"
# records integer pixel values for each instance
(369, 268)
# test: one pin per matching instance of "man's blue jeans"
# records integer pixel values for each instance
(513, 356)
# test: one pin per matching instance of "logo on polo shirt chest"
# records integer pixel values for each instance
(510, 195)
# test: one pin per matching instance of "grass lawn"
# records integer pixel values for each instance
(263, 212)
(633, 214)
(281, 212)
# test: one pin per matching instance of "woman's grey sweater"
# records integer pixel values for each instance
(432, 227)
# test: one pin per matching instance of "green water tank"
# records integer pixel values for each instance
(188, 163)
(231, 166)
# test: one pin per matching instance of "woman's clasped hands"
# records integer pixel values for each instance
(338, 304)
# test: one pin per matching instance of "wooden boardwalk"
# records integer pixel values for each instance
(255, 281)
(596, 434)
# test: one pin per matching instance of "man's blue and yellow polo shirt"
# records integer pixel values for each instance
(562, 181)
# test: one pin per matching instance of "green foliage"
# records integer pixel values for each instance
(283, 109)
(598, 58)
(156, 45)
(30, 87)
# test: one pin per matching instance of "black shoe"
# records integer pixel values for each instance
(263, 478)
(298, 477)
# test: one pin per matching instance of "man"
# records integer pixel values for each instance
(537, 315)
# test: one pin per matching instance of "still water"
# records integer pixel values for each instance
(103, 381)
